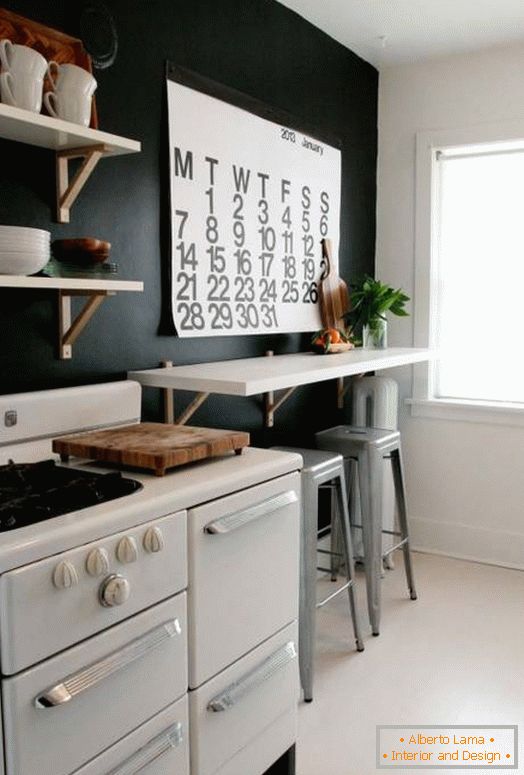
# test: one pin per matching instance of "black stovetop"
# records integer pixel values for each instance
(33, 492)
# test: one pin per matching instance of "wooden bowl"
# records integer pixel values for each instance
(86, 250)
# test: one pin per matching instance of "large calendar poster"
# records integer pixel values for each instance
(250, 201)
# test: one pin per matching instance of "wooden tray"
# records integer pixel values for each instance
(52, 44)
(155, 446)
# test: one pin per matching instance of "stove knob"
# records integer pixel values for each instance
(153, 540)
(65, 575)
(127, 551)
(97, 563)
(114, 591)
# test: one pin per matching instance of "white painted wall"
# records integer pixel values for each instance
(465, 479)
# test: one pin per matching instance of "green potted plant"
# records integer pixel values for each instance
(370, 301)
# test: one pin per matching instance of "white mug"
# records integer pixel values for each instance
(21, 91)
(69, 106)
(19, 60)
(69, 77)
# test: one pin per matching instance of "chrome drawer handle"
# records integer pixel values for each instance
(251, 681)
(90, 676)
(154, 749)
(240, 518)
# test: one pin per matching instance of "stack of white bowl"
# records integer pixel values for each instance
(23, 250)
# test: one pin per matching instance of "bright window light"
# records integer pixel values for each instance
(479, 247)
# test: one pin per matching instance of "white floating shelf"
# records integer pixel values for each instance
(70, 283)
(95, 291)
(57, 135)
(68, 141)
(250, 376)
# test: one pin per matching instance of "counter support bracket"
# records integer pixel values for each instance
(68, 329)
(67, 191)
(169, 403)
(270, 404)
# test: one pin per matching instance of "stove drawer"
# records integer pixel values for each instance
(67, 710)
(158, 747)
(54, 603)
(243, 573)
(256, 696)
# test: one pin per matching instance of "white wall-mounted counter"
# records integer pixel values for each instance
(251, 376)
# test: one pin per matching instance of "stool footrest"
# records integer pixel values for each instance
(384, 531)
(394, 548)
(334, 594)
(328, 551)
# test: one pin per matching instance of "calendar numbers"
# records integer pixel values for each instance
(192, 316)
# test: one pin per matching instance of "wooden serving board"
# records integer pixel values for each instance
(333, 293)
(155, 446)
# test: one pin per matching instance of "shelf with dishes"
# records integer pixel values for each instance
(26, 251)
(69, 141)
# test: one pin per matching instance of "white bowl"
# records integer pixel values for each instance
(20, 245)
(22, 263)
(23, 231)
(23, 244)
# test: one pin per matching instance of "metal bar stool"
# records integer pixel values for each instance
(320, 469)
(367, 447)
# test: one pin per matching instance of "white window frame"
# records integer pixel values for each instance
(424, 403)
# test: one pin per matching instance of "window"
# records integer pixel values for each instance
(469, 299)
(479, 244)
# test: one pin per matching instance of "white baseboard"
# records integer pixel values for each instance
(467, 542)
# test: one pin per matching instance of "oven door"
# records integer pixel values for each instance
(243, 719)
(158, 747)
(62, 713)
(243, 573)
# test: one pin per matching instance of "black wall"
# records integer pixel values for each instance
(256, 46)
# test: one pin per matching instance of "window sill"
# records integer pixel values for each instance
(468, 411)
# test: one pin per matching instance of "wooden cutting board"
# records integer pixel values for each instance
(155, 446)
(333, 292)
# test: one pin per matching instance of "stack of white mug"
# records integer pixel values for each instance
(22, 84)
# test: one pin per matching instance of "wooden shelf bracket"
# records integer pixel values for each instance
(169, 403)
(68, 329)
(270, 404)
(66, 190)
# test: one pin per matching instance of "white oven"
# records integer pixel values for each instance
(99, 639)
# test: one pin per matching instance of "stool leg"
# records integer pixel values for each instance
(308, 591)
(334, 540)
(400, 493)
(343, 518)
(370, 467)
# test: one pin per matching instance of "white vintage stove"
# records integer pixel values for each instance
(147, 625)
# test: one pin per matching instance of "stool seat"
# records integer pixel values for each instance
(316, 461)
(346, 436)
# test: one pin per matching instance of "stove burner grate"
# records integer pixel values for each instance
(33, 492)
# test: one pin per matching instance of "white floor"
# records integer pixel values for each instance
(455, 656)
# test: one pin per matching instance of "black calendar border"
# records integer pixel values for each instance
(239, 99)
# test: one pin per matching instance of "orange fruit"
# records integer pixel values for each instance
(334, 335)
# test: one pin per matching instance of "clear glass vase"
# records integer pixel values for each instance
(375, 335)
